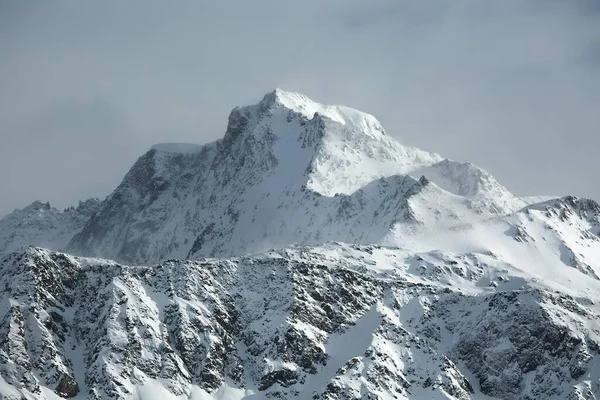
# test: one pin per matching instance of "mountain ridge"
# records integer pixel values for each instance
(325, 322)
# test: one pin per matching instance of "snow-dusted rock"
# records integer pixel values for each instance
(331, 322)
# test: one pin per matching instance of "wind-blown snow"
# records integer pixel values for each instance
(539, 199)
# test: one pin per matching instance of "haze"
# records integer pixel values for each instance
(86, 87)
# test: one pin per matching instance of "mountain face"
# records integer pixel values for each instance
(43, 225)
(288, 170)
(396, 274)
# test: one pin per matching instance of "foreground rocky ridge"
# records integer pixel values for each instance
(331, 322)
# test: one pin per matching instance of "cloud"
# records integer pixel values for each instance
(512, 86)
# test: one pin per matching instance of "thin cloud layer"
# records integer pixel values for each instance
(86, 87)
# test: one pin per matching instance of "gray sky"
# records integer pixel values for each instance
(87, 86)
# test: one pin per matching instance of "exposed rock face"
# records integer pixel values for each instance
(67, 387)
(333, 322)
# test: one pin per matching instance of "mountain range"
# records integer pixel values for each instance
(305, 255)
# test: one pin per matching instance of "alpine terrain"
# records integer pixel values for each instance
(305, 255)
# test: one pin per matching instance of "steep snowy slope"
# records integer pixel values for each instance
(43, 225)
(557, 232)
(330, 322)
(288, 170)
(468, 180)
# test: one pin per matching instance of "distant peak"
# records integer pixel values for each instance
(569, 202)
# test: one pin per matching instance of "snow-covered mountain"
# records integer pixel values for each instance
(43, 225)
(288, 170)
(394, 274)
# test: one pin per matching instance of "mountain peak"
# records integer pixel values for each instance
(284, 166)
(286, 98)
(332, 149)
(301, 104)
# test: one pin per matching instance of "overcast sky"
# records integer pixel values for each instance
(87, 86)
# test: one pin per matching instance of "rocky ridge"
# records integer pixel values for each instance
(331, 322)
